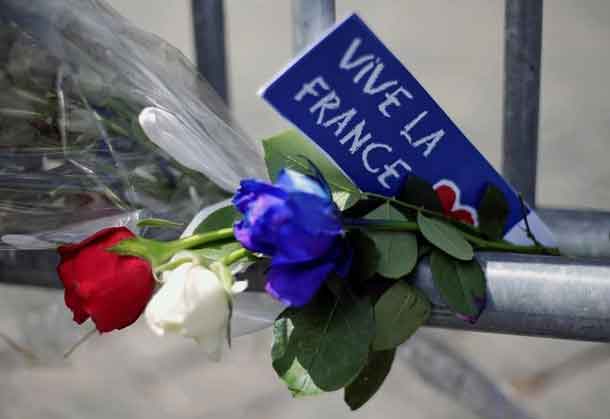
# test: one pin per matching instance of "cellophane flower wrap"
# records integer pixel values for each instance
(102, 124)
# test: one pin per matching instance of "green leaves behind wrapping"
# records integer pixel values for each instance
(400, 311)
(446, 237)
(366, 256)
(328, 345)
(290, 149)
(418, 192)
(364, 387)
(221, 218)
(462, 285)
(493, 213)
(397, 250)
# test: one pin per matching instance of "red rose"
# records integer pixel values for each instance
(111, 289)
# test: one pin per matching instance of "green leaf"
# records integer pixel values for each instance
(397, 250)
(462, 285)
(446, 237)
(282, 328)
(331, 338)
(417, 191)
(221, 218)
(159, 223)
(399, 312)
(156, 252)
(287, 150)
(473, 281)
(299, 382)
(285, 363)
(424, 249)
(366, 256)
(345, 200)
(493, 213)
(364, 387)
(362, 208)
(217, 251)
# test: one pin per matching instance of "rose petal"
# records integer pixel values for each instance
(111, 289)
(119, 295)
(250, 190)
(292, 181)
(295, 285)
(71, 297)
(258, 234)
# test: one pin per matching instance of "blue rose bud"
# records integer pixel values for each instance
(297, 224)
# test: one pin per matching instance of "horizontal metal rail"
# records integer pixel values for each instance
(559, 297)
(535, 296)
(584, 233)
(529, 295)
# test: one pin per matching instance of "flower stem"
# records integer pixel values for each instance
(170, 266)
(233, 257)
(203, 238)
(403, 204)
(381, 225)
(472, 229)
(479, 243)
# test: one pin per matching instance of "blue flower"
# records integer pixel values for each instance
(297, 224)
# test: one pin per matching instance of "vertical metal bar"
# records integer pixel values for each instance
(523, 32)
(310, 19)
(209, 31)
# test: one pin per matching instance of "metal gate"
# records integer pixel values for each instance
(531, 295)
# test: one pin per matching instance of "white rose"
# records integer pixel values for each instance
(194, 302)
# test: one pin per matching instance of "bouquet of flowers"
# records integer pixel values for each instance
(74, 79)
(338, 259)
(118, 122)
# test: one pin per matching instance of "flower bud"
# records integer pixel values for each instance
(193, 302)
(110, 289)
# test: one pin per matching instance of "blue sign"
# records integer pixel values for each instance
(352, 97)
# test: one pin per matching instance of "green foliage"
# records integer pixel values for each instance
(370, 379)
(445, 237)
(217, 251)
(424, 249)
(345, 199)
(397, 250)
(399, 312)
(285, 364)
(462, 285)
(340, 339)
(420, 193)
(221, 218)
(291, 150)
(330, 341)
(363, 207)
(493, 213)
(365, 258)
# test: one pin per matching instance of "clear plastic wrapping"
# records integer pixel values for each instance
(102, 123)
